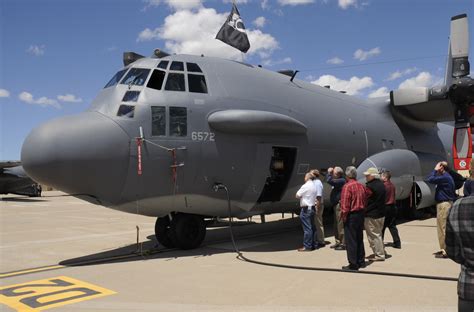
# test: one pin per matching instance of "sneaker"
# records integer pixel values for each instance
(334, 246)
(441, 256)
(340, 247)
(438, 253)
(371, 257)
(376, 258)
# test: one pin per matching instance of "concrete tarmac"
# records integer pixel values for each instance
(43, 240)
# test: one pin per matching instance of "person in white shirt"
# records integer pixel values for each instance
(307, 196)
(318, 216)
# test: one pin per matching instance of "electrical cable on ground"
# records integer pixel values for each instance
(241, 257)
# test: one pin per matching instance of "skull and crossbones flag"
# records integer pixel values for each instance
(233, 31)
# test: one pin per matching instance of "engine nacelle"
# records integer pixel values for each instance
(423, 194)
(408, 169)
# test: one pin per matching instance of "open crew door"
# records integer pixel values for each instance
(281, 167)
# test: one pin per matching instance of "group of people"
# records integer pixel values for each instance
(455, 219)
(372, 207)
(356, 207)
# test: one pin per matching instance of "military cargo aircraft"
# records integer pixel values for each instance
(14, 180)
(166, 129)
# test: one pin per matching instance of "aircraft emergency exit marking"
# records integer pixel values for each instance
(49, 293)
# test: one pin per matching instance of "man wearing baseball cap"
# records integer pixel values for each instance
(375, 213)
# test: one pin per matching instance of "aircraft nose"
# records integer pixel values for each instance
(85, 154)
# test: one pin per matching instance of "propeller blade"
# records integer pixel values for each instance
(459, 46)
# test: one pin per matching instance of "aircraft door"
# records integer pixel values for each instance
(279, 173)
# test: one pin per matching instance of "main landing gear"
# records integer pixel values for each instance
(185, 231)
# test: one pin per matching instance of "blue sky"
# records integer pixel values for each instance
(55, 55)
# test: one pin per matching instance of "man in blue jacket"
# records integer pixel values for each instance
(444, 196)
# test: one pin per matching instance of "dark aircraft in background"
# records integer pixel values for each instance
(166, 129)
(14, 180)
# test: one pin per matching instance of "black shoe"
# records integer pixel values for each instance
(320, 245)
(362, 265)
(334, 246)
(350, 267)
(398, 246)
(340, 247)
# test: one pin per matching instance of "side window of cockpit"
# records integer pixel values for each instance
(115, 79)
(197, 83)
(178, 121)
(158, 120)
(156, 79)
(126, 111)
(193, 67)
(136, 76)
(175, 82)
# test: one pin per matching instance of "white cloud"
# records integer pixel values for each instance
(335, 61)
(362, 55)
(383, 91)
(147, 34)
(285, 60)
(294, 2)
(175, 4)
(344, 4)
(69, 98)
(265, 5)
(36, 50)
(423, 79)
(400, 73)
(352, 86)
(260, 22)
(42, 101)
(4, 93)
(194, 33)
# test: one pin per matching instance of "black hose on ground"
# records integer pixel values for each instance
(240, 256)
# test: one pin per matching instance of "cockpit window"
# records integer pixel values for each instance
(193, 67)
(158, 120)
(136, 76)
(156, 79)
(197, 83)
(116, 78)
(175, 82)
(178, 121)
(177, 66)
(126, 111)
(131, 96)
(163, 64)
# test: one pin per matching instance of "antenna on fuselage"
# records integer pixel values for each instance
(294, 75)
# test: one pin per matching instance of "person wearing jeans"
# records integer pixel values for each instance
(307, 196)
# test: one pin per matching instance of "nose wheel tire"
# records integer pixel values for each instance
(187, 231)
(162, 232)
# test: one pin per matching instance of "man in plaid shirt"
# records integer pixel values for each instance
(353, 203)
(460, 248)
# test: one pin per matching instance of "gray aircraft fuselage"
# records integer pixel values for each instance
(254, 130)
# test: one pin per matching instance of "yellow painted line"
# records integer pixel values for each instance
(15, 273)
(49, 293)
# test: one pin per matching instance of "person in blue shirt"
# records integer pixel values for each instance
(444, 196)
(469, 184)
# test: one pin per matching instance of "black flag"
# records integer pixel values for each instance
(233, 31)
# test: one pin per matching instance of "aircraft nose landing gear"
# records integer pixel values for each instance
(185, 231)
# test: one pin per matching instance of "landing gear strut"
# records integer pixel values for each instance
(185, 231)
